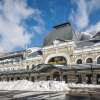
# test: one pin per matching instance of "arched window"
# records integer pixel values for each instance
(79, 61)
(98, 60)
(58, 60)
(89, 60)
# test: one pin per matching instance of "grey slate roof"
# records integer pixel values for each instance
(89, 42)
(97, 36)
(11, 54)
(62, 32)
(84, 43)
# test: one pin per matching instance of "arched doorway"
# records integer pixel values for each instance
(89, 79)
(98, 78)
(27, 78)
(56, 76)
(18, 78)
(48, 78)
(32, 78)
(58, 60)
(7, 78)
(12, 78)
(65, 78)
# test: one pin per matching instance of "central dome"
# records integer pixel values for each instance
(61, 32)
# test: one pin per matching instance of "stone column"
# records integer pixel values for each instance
(51, 77)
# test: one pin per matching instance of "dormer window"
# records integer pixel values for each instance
(55, 42)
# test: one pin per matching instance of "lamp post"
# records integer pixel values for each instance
(91, 71)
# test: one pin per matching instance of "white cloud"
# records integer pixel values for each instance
(40, 28)
(13, 34)
(80, 16)
(94, 28)
(94, 5)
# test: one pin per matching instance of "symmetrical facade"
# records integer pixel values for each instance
(62, 57)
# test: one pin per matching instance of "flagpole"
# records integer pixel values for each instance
(25, 55)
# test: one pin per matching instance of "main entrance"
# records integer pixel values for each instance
(56, 76)
(79, 79)
(58, 60)
(89, 79)
(98, 78)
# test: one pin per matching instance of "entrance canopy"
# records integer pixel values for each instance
(48, 67)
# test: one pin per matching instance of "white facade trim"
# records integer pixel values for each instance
(97, 58)
(87, 49)
(71, 43)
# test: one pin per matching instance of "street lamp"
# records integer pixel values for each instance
(91, 71)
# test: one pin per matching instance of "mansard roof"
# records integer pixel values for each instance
(97, 35)
(62, 32)
(90, 42)
(11, 55)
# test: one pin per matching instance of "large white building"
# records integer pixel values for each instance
(63, 56)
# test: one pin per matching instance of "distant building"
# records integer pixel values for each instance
(60, 58)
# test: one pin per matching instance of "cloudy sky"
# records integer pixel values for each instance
(26, 22)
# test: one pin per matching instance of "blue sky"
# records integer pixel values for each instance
(27, 22)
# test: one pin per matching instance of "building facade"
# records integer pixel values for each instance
(62, 57)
